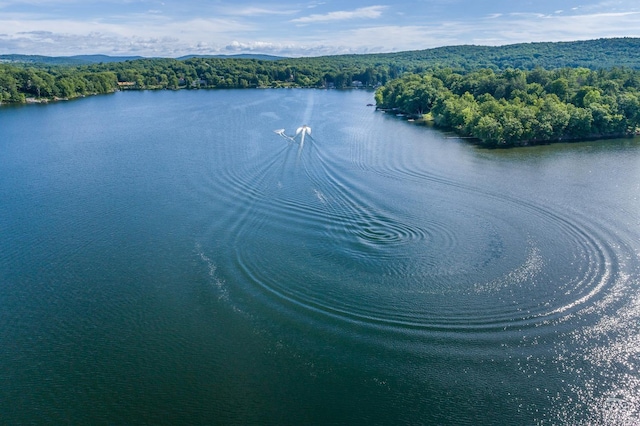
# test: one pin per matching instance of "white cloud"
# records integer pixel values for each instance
(283, 49)
(254, 11)
(370, 12)
(258, 30)
(528, 28)
(315, 4)
(140, 35)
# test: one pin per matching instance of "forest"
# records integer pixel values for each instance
(586, 88)
(35, 78)
(516, 107)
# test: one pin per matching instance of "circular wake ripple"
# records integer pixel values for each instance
(468, 274)
(384, 235)
(473, 260)
(380, 231)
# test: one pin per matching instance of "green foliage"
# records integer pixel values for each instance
(522, 107)
(508, 95)
(17, 84)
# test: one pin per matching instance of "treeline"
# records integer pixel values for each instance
(333, 72)
(593, 54)
(20, 82)
(516, 107)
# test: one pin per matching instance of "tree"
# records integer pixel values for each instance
(554, 113)
(560, 88)
(580, 121)
(489, 130)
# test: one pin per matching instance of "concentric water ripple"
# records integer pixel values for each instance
(170, 259)
(383, 232)
(471, 260)
(368, 242)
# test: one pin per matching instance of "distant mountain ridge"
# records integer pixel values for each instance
(598, 53)
(24, 78)
(104, 59)
(65, 60)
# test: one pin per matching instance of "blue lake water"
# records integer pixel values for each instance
(168, 258)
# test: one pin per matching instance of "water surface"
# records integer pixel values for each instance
(166, 257)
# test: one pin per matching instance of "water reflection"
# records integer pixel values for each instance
(385, 273)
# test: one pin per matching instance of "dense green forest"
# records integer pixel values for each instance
(36, 78)
(521, 93)
(516, 107)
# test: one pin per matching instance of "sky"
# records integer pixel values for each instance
(173, 28)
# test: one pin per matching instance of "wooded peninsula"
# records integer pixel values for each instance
(516, 107)
(508, 95)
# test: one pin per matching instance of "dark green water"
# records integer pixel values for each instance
(167, 258)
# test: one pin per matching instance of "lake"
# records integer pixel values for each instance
(170, 258)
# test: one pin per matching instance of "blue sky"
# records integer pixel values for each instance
(171, 28)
